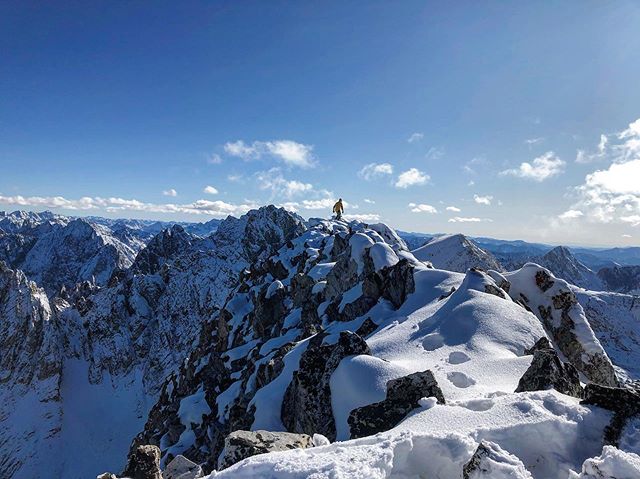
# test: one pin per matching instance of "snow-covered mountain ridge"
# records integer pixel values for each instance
(331, 331)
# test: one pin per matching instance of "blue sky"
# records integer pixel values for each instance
(487, 118)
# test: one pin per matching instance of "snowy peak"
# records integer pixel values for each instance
(565, 265)
(456, 253)
(261, 231)
(165, 246)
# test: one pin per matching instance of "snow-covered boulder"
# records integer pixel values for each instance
(242, 444)
(612, 463)
(490, 461)
(403, 395)
(182, 468)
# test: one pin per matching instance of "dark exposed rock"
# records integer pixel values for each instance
(543, 280)
(143, 463)
(547, 371)
(272, 368)
(403, 395)
(366, 328)
(306, 407)
(624, 402)
(542, 343)
(242, 444)
(398, 282)
(491, 289)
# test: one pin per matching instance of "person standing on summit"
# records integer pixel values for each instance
(338, 209)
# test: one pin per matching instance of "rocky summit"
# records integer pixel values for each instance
(273, 346)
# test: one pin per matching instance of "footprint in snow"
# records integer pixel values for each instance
(478, 405)
(460, 380)
(433, 341)
(458, 357)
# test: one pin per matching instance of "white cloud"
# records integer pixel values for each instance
(170, 192)
(453, 208)
(274, 181)
(633, 219)
(422, 208)
(415, 137)
(322, 204)
(375, 170)
(627, 236)
(571, 214)
(290, 152)
(214, 159)
(612, 194)
(462, 219)
(366, 217)
(235, 178)
(210, 190)
(533, 141)
(114, 204)
(483, 200)
(368, 201)
(542, 167)
(412, 177)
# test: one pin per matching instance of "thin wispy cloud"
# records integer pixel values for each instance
(375, 170)
(274, 181)
(210, 190)
(368, 201)
(411, 177)
(533, 141)
(214, 159)
(415, 137)
(289, 152)
(170, 192)
(541, 168)
(434, 153)
(472, 219)
(571, 214)
(483, 200)
(454, 209)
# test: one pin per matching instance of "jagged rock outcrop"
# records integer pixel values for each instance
(547, 371)
(624, 402)
(143, 463)
(306, 407)
(553, 302)
(540, 344)
(242, 444)
(490, 461)
(403, 395)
